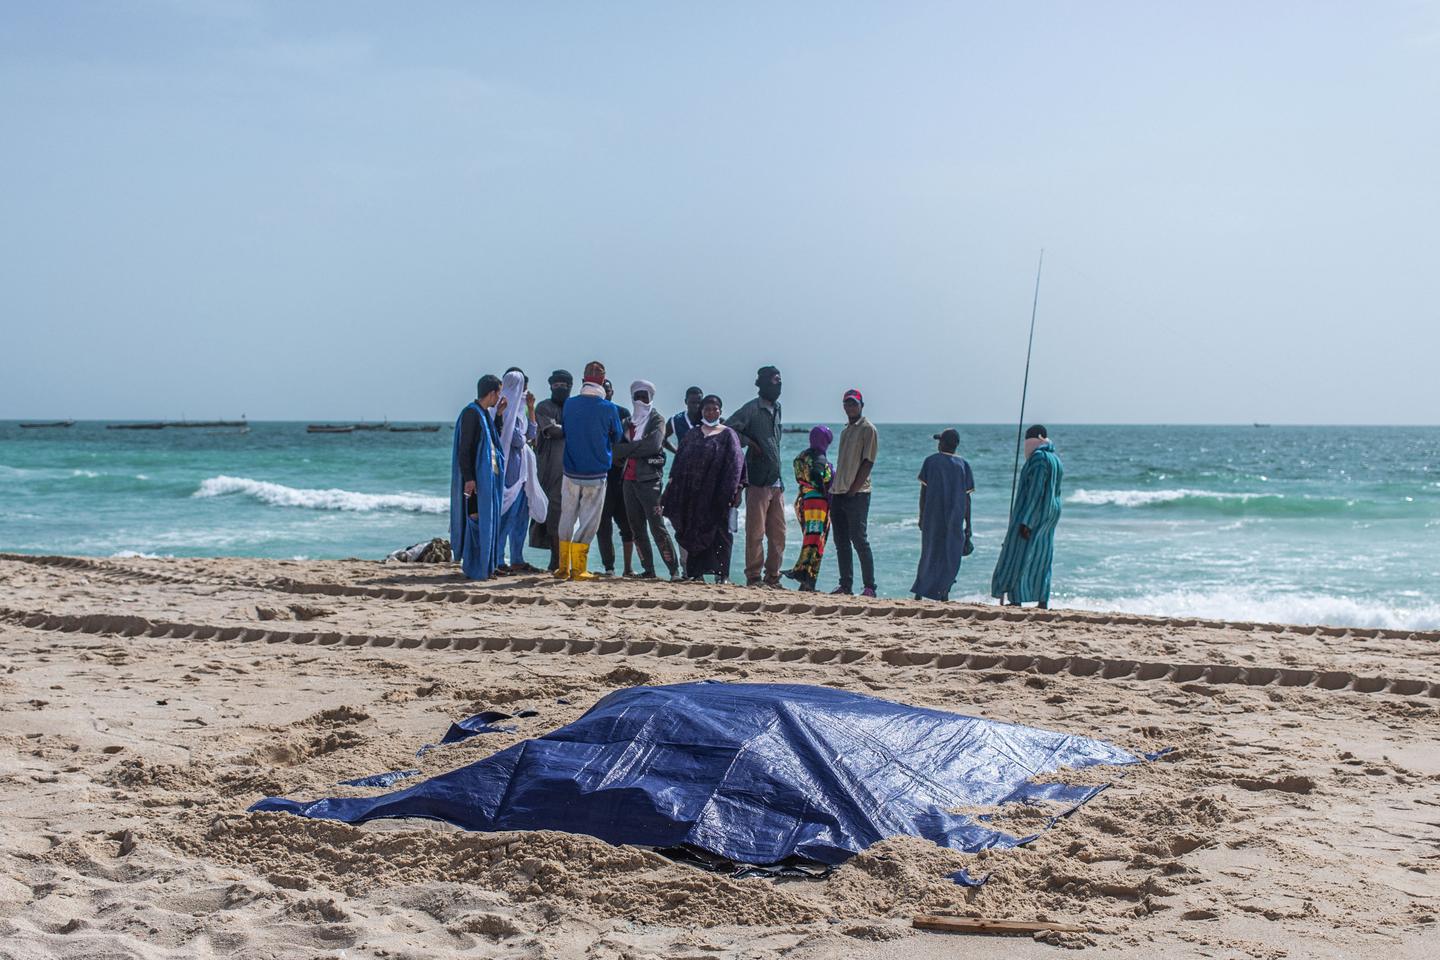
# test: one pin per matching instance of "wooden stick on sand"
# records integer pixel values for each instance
(981, 925)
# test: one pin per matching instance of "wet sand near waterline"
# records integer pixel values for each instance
(149, 702)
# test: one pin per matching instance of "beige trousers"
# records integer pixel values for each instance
(764, 520)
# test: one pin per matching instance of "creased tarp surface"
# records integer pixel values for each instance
(757, 773)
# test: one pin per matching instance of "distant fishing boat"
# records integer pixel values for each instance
(330, 428)
(134, 426)
(1262, 426)
(58, 424)
(382, 425)
(209, 424)
(430, 428)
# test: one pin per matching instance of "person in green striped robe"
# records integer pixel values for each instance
(1022, 574)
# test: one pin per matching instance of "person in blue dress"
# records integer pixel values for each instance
(1022, 574)
(477, 482)
(946, 483)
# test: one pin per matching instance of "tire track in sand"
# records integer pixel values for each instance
(909, 611)
(1095, 667)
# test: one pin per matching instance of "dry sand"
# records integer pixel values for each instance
(148, 703)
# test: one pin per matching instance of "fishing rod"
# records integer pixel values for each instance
(1025, 390)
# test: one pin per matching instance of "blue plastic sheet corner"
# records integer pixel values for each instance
(379, 779)
(964, 879)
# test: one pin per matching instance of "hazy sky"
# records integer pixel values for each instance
(345, 210)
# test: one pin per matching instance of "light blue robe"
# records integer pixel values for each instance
(475, 541)
(1023, 571)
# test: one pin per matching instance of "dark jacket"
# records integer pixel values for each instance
(550, 447)
(647, 450)
(759, 431)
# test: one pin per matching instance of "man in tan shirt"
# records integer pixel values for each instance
(850, 496)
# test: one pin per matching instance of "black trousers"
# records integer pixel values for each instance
(613, 516)
(850, 527)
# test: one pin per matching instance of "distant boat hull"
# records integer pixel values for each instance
(209, 424)
(56, 425)
(328, 428)
(433, 428)
(243, 425)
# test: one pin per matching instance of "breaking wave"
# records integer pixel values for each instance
(1309, 609)
(1216, 503)
(1146, 498)
(279, 495)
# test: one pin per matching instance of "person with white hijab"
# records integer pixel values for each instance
(523, 499)
(643, 448)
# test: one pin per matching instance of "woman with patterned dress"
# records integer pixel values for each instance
(813, 475)
(706, 480)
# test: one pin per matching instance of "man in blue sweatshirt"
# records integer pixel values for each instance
(592, 426)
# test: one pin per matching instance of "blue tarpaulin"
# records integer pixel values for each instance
(754, 773)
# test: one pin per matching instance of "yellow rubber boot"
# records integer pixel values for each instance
(579, 561)
(562, 572)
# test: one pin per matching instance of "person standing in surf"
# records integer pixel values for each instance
(592, 426)
(477, 483)
(550, 461)
(1022, 574)
(946, 483)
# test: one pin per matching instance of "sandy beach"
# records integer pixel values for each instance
(148, 703)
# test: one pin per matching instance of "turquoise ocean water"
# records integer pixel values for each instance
(1299, 524)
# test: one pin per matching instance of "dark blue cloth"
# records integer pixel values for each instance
(680, 425)
(755, 773)
(381, 779)
(948, 482)
(475, 541)
(481, 723)
(592, 426)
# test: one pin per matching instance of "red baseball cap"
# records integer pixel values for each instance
(855, 395)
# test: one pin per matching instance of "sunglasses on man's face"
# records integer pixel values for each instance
(851, 402)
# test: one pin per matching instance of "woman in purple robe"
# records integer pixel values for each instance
(706, 479)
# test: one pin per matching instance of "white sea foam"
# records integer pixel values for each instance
(279, 495)
(1145, 498)
(1272, 608)
(91, 474)
(138, 555)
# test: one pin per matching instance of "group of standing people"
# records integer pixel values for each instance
(577, 465)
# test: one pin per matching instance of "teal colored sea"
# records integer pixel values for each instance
(1333, 525)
